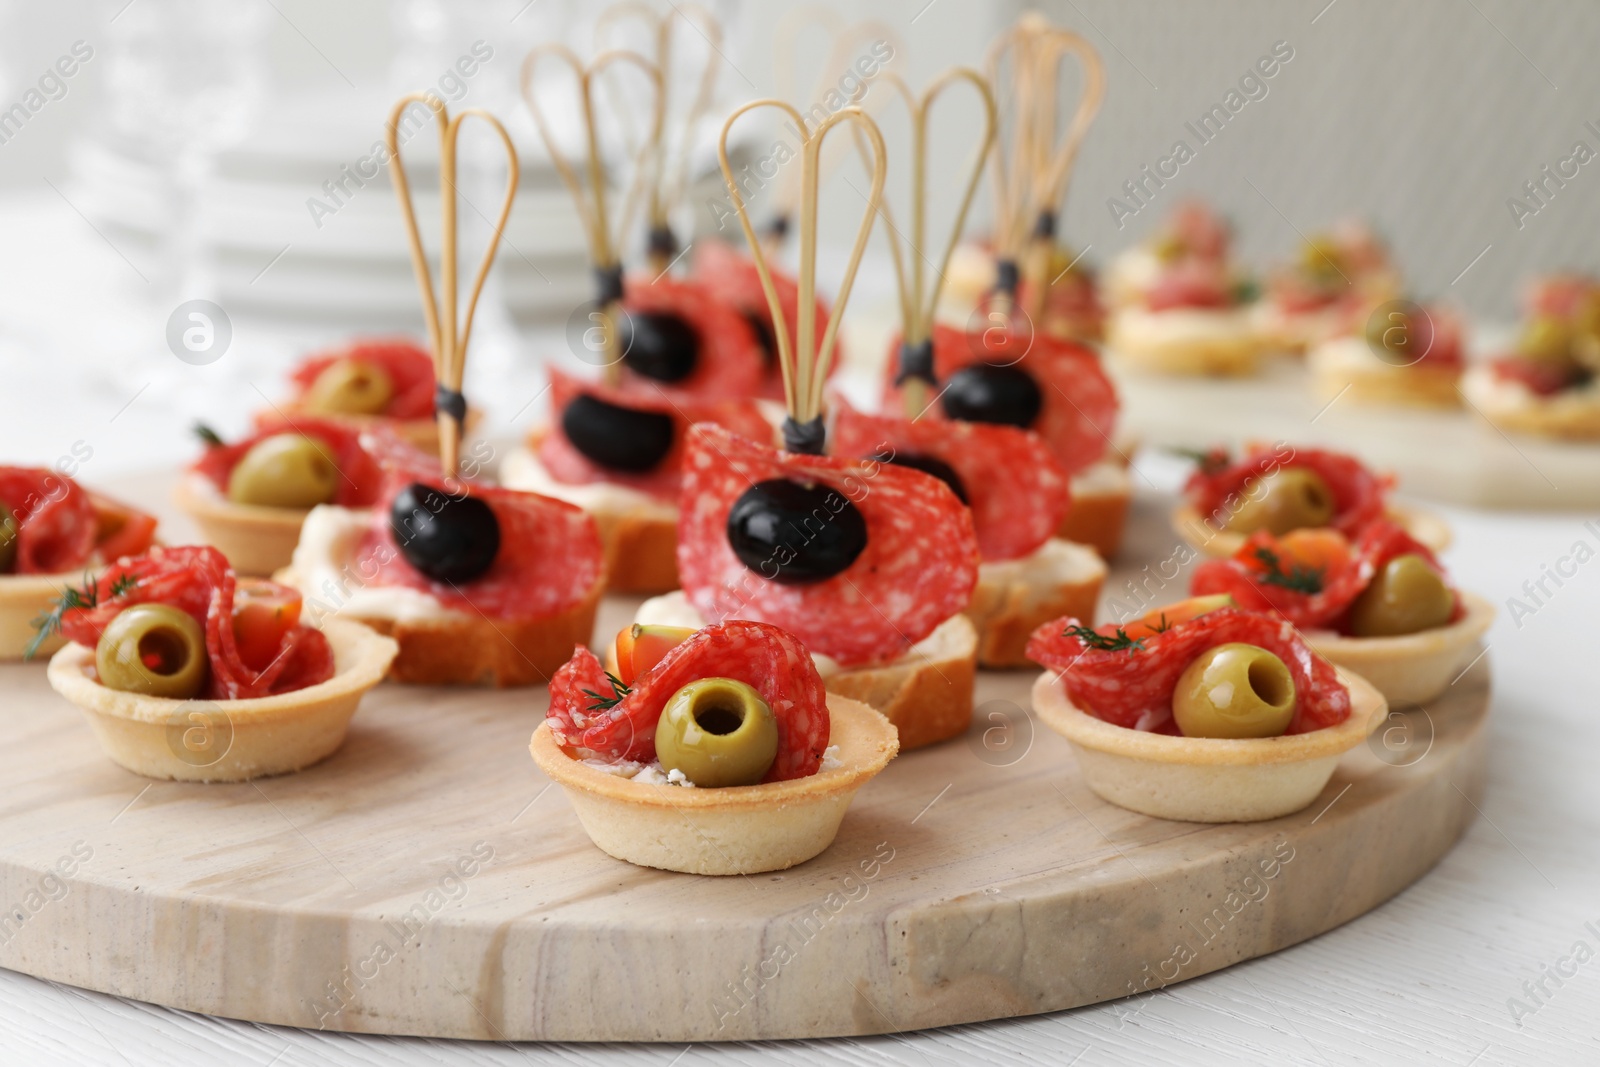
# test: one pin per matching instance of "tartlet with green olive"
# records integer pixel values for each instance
(708, 752)
(251, 497)
(1409, 358)
(1279, 488)
(1548, 384)
(1380, 605)
(1201, 712)
(186, 672)
(52, 531)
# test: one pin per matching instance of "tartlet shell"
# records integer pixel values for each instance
(1196, 779)
(1425, 526)
(23, 598)
(1414, 668)
(1571, 416)
(269, 735)
(1230, 355)
(256, 540)
(740, 830)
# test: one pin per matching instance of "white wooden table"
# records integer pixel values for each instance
(1425, 978)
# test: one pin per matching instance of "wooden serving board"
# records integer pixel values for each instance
(428, 880)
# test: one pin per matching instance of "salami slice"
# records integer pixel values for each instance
(1358, 494)
(1079, 409)
(1340, 584)
(360, 478)
(735, 279)
(549, 560)
(408, 365)
(729, 363)
(197, 579)
(566, 464)
(1133, 687)
(772, 662)
(918, 568)
(55, 519)
(1017, 491)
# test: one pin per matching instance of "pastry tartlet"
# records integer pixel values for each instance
(186, 674)
(249, 498)
(1281, 488)
(1408, 359)
(1548, 385)
(368, 384)
(617, 453)
(760, 766)
(52, 531)
(1180, 306)
(1380, 605)
(1223, 716)
(1331, 287)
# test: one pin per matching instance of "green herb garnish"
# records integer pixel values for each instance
(1210, 460)
(1120, 642)
(600, 702)
(49, 624)
(211, 437)
(1298, 577)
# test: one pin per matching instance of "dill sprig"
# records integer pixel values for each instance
(211, 437)
(1210, 460)
(601, 702)
(1297, 577)
(1120, 642)
(49, 623)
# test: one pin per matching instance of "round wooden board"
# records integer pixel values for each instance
(427, 880)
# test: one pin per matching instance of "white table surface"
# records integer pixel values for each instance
(1425, 978)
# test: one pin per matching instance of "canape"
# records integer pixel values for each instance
(52, 530)
(718, 752)
(1221, 716)
(249, 498)
(187, 673)
(1278, 488)
(1379, 604)
(1411, 357)
(1181, 306)
(1549, 384)
(1335, 281)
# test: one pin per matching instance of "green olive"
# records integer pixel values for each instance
(1320, 257)
(350, 387)
(718, 732)
(1406, 597)
(8, 539)
(1233, 691)
(153, 649)
(1546, 340)
(1288, 499)
(286, 470)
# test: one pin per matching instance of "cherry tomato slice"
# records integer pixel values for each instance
(263, 612)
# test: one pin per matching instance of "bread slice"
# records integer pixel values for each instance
(640, 533)
(1016, 597)
(1099, 511)
(927, 693)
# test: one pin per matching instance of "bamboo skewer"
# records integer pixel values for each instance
(603, 237)
(805, 364)
(449, 343)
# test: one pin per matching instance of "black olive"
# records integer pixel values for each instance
(794, 533)
(659, 345)
(986, 393)
(619, 438)
(761, 326)
(936, 467)
(447, 537)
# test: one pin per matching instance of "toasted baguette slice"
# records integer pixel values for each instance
(640, 533)
(1099, 511)
(1015, 597)
(927, 693)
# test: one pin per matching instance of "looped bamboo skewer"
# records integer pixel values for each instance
(449, 343)
(919, 301)
(785, 197)
(669, 170)
(603, 237)
(806, 364)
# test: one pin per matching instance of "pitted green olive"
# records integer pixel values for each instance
(1406, 597)
(286, 470)
(1234, 691)
(718, 732)
(1546, 340)
(350, 387)
(1291, 498)
(8, 539)
(153, 649)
